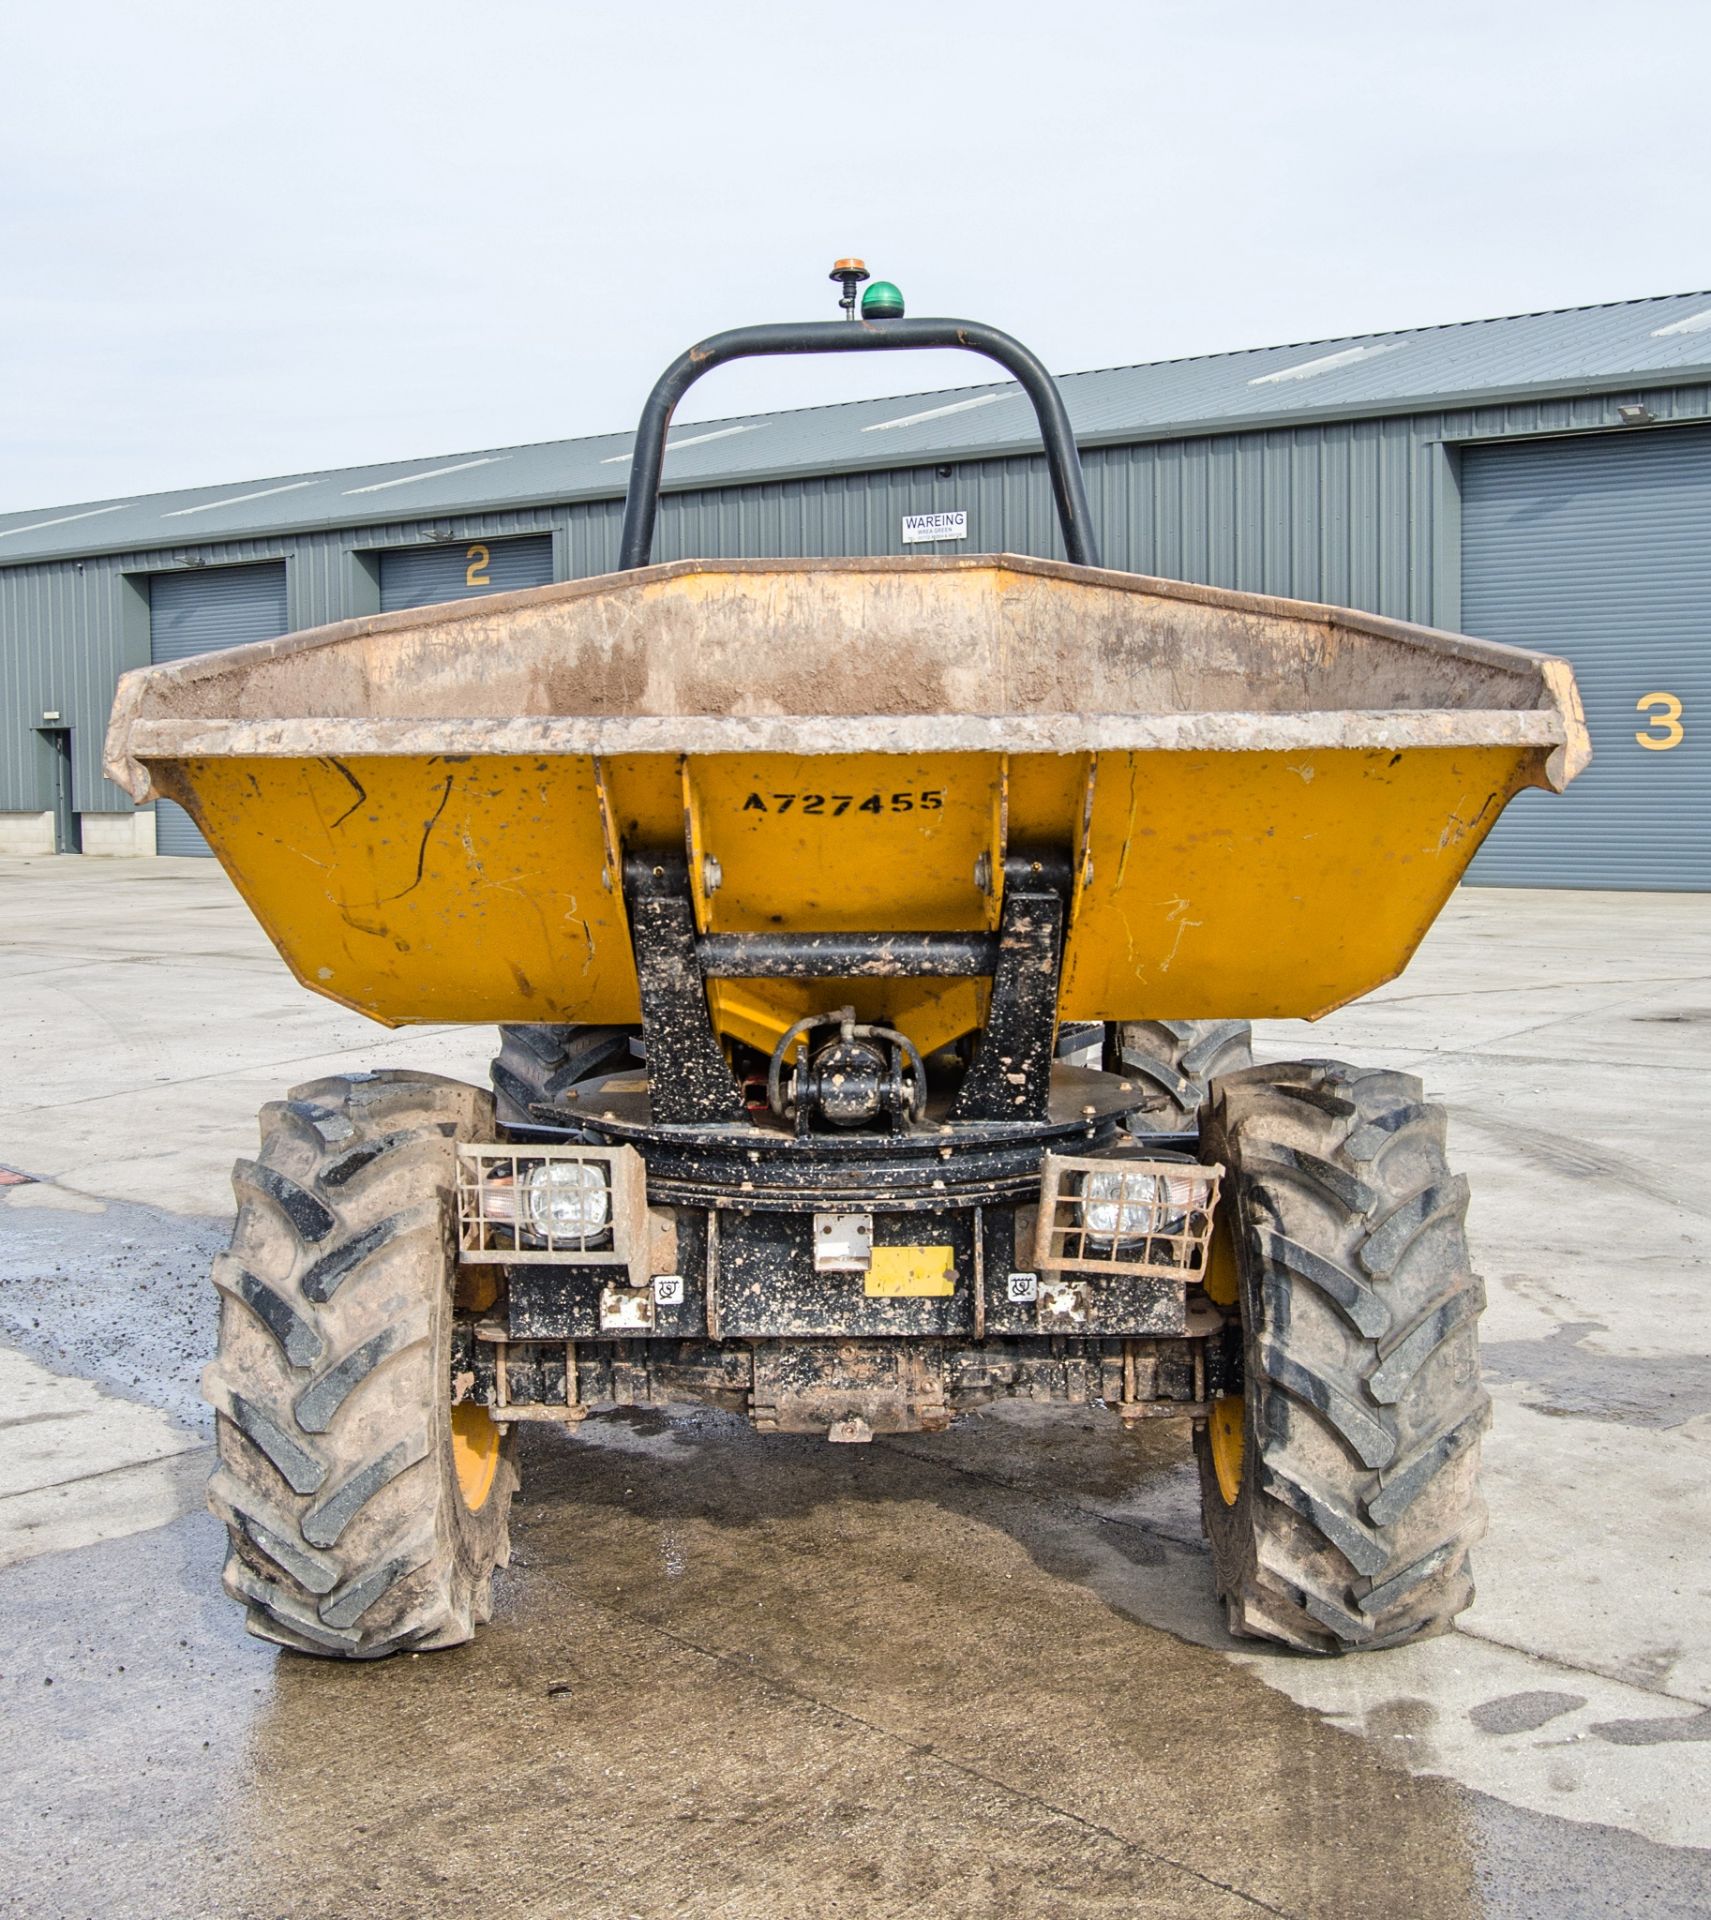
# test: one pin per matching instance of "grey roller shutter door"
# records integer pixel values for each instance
(201, 611)
(1599, 549)
(424, 576)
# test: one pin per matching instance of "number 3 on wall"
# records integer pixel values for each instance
(1666, 730)
(476, 574)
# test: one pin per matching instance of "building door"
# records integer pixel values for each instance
(66, 835)
(1598, 548)
(425, 576)
(200, 611)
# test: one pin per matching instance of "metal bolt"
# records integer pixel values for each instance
(983, 872)
(712, 875)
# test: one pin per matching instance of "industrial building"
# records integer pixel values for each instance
(1543, 479)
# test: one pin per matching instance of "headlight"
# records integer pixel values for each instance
(553, 1204)
(1117, 1204)
(567, 1200)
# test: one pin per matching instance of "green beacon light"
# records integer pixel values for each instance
(882, 301)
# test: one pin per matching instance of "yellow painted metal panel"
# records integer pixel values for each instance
(837, 843)
(911, 1273)
(932, 1012)
(646, 795)
(484, 888)
(1268, 885)
(815, 842)
(1046, 795)
(427, 888)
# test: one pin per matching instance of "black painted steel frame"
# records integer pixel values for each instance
(1063, 460)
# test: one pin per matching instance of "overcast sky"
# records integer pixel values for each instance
(244, 240)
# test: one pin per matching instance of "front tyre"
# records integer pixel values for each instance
(1340, 1490)
(365, 1514)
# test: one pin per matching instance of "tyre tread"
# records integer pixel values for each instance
(536, 1066)
(1354, 1525)
(334, 1308)
(1179, 1058)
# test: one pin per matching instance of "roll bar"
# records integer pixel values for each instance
(1063, 461)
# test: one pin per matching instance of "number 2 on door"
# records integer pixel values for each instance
(476, 574)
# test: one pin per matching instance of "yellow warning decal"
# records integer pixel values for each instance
(911, 1273)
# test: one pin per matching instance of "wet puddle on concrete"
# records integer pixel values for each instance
(738, 1675)
(728, 1675)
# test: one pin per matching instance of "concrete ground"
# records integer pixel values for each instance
(733, 1675)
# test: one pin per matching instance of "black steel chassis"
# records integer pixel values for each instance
(756, 1324)
(817, 1386)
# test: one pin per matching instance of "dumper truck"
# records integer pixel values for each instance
(872, 943)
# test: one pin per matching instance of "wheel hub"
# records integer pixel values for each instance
(476, 1438)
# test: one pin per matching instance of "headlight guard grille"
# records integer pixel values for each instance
(1157, 1216)
(493, 1227)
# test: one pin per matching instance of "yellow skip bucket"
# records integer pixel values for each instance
(1265, 802)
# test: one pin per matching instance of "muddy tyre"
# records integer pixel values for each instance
(1340, 1490)
(1177, 1060)
(363, 1517)
(538, 1065)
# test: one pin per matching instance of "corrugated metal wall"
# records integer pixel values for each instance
(70, 628)
(57, 653)
(1337, 513)
(1358, 513)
